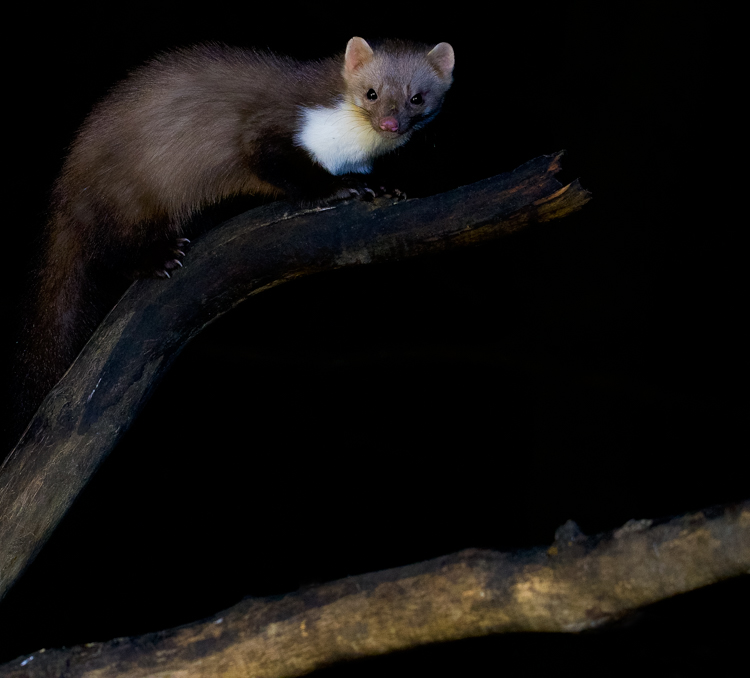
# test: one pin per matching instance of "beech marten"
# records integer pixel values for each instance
(187, 130)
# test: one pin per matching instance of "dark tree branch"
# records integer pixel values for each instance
(578, 583)
(84, 416)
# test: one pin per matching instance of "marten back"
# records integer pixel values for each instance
(181, 132)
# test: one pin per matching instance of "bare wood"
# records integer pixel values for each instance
(577, 583)
(83, 417)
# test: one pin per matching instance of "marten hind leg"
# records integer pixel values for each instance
(159, 260)
(159, 255)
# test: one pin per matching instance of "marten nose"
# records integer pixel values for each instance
(389, 124)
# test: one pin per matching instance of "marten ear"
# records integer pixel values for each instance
(358, 53)
(442, 58)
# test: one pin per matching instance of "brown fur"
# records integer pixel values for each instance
(187, 130)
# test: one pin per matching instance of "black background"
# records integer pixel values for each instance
(593, 368)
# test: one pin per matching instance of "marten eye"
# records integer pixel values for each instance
(416, 99)
(372, 95)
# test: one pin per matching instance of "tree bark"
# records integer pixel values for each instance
(83, 417)
(577, 583)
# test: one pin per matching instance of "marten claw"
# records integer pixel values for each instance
(393, 193)
(164, 259)
(364, 193)
(360, 192)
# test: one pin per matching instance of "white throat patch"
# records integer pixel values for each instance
(341, 138)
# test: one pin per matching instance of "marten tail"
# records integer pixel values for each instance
(66, 303)
(86, 266)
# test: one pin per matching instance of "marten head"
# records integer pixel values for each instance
(400, 85)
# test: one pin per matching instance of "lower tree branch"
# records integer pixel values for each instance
(577, 583)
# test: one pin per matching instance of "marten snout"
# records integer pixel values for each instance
(389, 124)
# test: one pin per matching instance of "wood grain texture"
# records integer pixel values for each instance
(577, 583)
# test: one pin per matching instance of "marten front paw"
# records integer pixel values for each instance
(360, 191)
(394, 193)
(163, 258)
(368, 194)
(363, 192)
